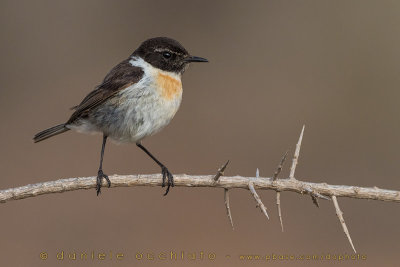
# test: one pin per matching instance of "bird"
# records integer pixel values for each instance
(137, 98)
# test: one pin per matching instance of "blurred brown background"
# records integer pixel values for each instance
(274, 66)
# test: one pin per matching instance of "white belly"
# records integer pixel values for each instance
(145, 115)
(139, 110)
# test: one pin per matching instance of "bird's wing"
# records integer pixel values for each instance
(120, 77)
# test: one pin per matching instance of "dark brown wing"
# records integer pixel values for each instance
(120, 77)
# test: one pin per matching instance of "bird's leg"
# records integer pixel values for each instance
(100, 174)
(164, 171)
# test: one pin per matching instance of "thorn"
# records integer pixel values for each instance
(315, 195)
(278, 204)
(339, 214)
(220, 171)
(258, 199)
(315, 201)
(228, 209)
(296, 155)
(280, 166)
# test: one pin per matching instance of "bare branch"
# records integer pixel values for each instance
(315, 190)
(263, 183)
(220, 171)
(296, 155)
(228, 209)
(339, 214)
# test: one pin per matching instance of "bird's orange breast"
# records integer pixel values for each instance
(169, 86)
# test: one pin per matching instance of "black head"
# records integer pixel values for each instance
(166, 54)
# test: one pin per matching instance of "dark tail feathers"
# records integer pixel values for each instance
(50, 132)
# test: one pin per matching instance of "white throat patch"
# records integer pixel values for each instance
(149, 69)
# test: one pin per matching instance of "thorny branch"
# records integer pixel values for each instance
(315, 190)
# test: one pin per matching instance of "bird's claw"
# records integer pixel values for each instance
(100, 176)
(166, 174)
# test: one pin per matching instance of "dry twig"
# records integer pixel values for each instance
(183, 180)
(315, 190)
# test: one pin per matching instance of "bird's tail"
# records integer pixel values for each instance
(50, 132)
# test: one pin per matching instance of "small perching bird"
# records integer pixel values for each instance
(137, 98)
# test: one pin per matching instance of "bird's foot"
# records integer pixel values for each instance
(167, 175)
(100, 176)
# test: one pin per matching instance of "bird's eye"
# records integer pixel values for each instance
(166, 55)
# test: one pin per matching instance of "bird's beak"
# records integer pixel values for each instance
(195, 59)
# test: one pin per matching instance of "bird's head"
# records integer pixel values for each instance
(166, 54)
